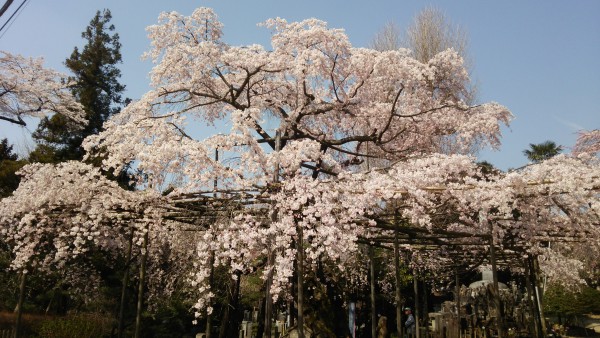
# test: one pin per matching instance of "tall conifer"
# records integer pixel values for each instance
(96, 87)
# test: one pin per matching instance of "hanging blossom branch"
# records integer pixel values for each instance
(587, 142)
(27, 89)
(59, 212)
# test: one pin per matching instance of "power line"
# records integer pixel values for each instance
(5, 7)
(16, 12)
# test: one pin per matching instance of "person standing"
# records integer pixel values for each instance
(409, 325)
(382, 331)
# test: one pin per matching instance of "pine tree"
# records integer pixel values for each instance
(6, 151)
(9, 164)
(97, 88)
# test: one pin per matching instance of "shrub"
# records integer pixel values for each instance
(76, 326)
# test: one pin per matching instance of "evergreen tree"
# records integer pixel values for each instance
(6, 151)
(567, 303)
(9, 164)
(543, 151)
(96, 87)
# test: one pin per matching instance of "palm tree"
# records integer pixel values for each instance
(542, 151)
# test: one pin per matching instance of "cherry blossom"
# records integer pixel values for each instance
(28, 89)
(587, 142)
(59, 212)
(313, 85)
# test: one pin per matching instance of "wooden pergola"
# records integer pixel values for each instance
(199, 210)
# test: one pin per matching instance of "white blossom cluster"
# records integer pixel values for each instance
(587, 142)
(60, 211)
(28, 89)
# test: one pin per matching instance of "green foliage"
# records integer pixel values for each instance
(76, 326)
(9, 181)
(251, 290)
(96, 75)
(8, 280)
(562, 302)
(58, 140)
(589, 300)
(96, 87)
(9, 165)
(591, 274)
(172, 319)
(542, 151)
(44, 154)
(6, 151)
(486, 171)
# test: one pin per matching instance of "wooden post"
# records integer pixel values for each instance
(398, 295)
(268, 298)
(499, 319)
(140, 301)
(290, 318)
(271, 258)
(373, 305)
(18, 323)
(211, 280)
(458, 305)
(536, 325)
(425, 292)
(215, 182)
(124, 286)
(211, 276)
(260, 327)
(300, 264)
(417, 305)
(538, 293)
(229, 321)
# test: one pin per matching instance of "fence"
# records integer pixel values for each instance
(7, 333)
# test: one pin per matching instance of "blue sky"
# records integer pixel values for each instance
(541, 59)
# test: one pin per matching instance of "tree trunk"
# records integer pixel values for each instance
(140, 300)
